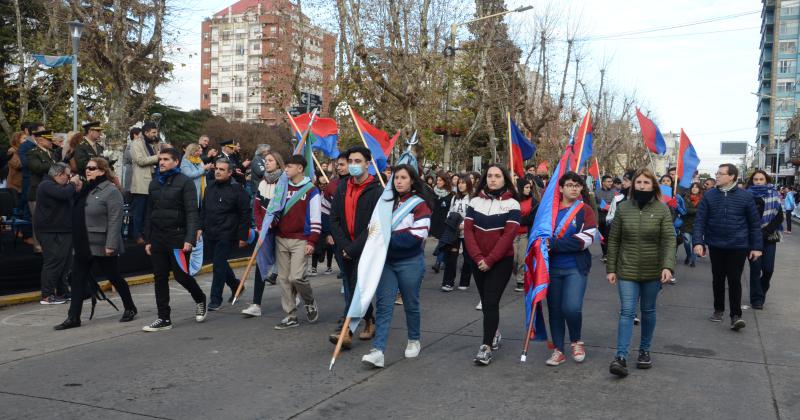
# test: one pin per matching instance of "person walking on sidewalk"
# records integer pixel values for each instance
(444, 199)
(97, 237)
(351, 211)
(570, 262)
(768, 204)
(296, 236)
(490, 226)
(691, 200)
(789, 204)
(727, 223)
(224, 225)
(640, 260)
(171, 225)
(405, 263)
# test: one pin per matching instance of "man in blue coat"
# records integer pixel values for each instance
(727, 223)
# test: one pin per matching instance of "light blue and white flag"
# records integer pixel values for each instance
(53, 60)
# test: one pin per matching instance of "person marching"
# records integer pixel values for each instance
(490, 226)
(97, 238)
(444, 199)
(460, 203)
(171, 225)
(405, 263)
(570, 262)
(768, 204)
(527, 206)
(789, 204)
(295, 238)
(641, 258)
(224, 225)
(692, 200)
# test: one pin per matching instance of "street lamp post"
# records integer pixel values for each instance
(450, 52)
(75, 32)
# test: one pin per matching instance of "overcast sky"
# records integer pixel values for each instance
(696, 77)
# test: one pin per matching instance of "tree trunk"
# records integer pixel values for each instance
(22, 85)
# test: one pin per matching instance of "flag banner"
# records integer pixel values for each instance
(594, 172)
(378, 142)
(687, 161)
(53, 60)
(370, 265)
(251, 236)
(580, 147)
(194, 263)
(666, 193)
(325, 131)
(265, 253)
(653, 140)
(521, 148)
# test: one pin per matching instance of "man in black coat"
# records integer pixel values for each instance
(171, 225)
(224, 224)
(351, 211)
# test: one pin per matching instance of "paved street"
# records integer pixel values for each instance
(229, 367)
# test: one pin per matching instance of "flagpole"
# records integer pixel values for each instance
(524, 357)
(294, 124)
(510, 147)
(345, 330)
(377, 171)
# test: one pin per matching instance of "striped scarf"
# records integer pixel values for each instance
(772, 201)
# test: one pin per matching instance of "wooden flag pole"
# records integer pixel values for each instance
(345, 330)
(246, 273)
(524, 356)
(510, 146)
(358, 128)
(297, 129)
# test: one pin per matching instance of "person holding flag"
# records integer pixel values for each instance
(570, 262)
(296, 236)
(641, 258)
(490, 226)
(405, 264)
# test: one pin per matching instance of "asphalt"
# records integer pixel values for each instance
(230, 367)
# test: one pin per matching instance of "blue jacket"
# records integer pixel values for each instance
(728, 220)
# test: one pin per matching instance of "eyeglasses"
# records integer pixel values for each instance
(721, 173)
(573, 186)
(91, 168)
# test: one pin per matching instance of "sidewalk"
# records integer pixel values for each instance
(229, 367)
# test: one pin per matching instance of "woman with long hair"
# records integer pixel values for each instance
(527, 207)
(459, 207)
(641, 258)
(405, 263)
(570, 262)
(490, 226)
(273, 169)
(441, 207)
(69, 150)
(97, 239)
(768, 203)
(691, 200)
(193, 167)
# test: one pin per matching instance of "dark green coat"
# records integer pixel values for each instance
(39, 162)
(84, 152)
(688, 218)
(641, 242)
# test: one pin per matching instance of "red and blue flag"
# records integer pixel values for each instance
(651, 135)
(378, 141)
(325, 132)
(594, 172)
(688, 161)
(521, 148)
(580, 147)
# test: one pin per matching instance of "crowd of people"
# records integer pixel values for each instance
(176, 200)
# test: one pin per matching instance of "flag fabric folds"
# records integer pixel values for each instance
(580, 148)
(305, 148)
(265, 247)
(521, 148)
(687, 161)
(194, 263)
(594, 172)
(651, 135)
(325, 131)
(378, 141)
(53, 60)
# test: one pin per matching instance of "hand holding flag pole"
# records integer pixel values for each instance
(363, 140)
(297, 130)
(252, 258)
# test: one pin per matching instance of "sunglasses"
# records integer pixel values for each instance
(91, 168)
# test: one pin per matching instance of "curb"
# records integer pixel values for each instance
(105, 285)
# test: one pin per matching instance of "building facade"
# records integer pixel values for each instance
(250, 53)
(778, 83)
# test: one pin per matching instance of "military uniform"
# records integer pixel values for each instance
(85, 150)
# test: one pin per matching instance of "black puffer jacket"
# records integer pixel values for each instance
(172, 211)
(225, 213)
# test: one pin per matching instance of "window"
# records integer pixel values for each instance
(205, 96)
(206, 49)
(255, 111)
(785, 105)
(785, 85)
(206, 81)
(240, 49)
(786, 66)
(240, 67)
(238, 82)
(787, 47)
(256, 47)
(238, 113)
(238, 97)
(226, 97)
(790, 7)
(226, 35)
(789, 28)
(214, 91)
(225, 68)
(206, 66)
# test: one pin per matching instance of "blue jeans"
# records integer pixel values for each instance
(687, 247)
(629, 293)
(405, 275)
(761, 273)
(565, 304)
(138, 209)
(222, 270)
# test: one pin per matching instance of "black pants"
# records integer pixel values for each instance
(56, 256)
(163, 259)
(727, 264)
(351, 274)
(451, 266)
(788, 219)
(604, 229)
(491, 285)
(322, 251)
(81, 276)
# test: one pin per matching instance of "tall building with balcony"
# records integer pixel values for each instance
(250, 51)
(778, 80)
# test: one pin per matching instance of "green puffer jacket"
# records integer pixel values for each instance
(641, 242)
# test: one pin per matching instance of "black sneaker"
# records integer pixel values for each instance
(128, 315)
(288, 322)
(200, 311)
(644, 362)
(716, 316)
(484, 356)
(312, 312)
(272, 279)
(636, 320)
(214, 307)
(313, 271)
(519, 287)
(619, 367)
(158, 325)
(737, 323)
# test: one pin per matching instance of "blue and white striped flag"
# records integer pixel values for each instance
(53, 60)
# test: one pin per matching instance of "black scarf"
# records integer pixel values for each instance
(643, 197)
(496, 194)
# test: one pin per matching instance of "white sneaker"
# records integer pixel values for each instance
(463, 287)
(252, 310)
(479, 307)
(374, 358)
(412, 349)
